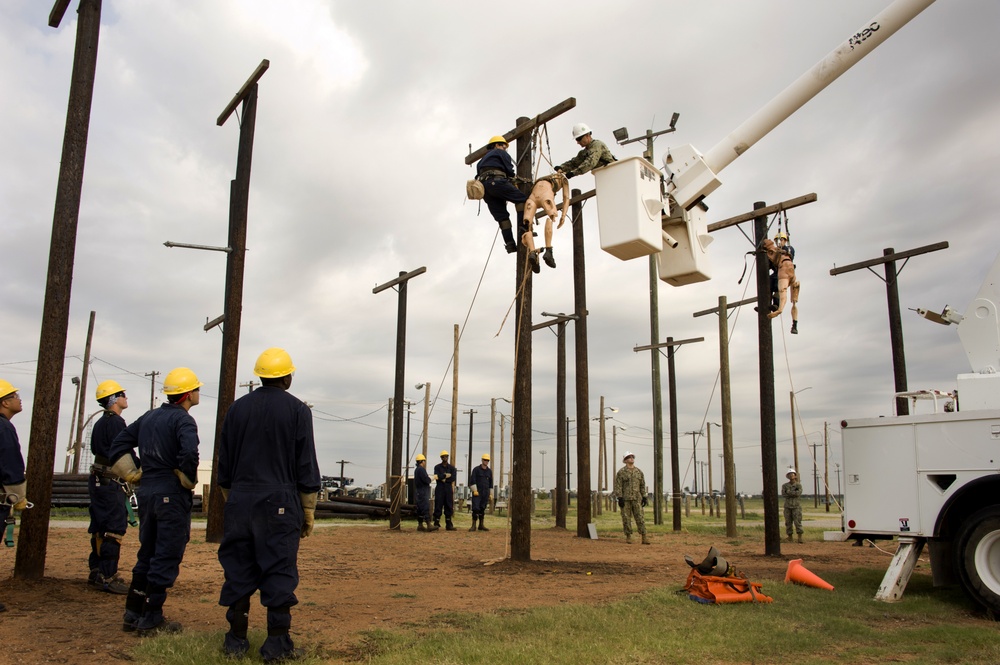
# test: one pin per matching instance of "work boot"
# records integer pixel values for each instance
(236, 644)
(437, 523)
(150, 625)
(432, 527)
(628, 539)
(114, 584)
(420, 526)
(473, 527)
(92, 578)
(278, 646)
(481, 527)
(795, 327)
(536, 267)
(134, 602)
(511, 247)
(449, 525)
(800, 539)
(789, 539)
(550, 260)
(645, 540)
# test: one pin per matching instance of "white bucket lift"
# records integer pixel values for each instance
(687, 261)
(629, 208)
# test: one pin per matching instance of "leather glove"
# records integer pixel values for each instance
(475, 492)
(16, 495)
(558, 169)
(621, 502)
(447, 476)
(124, 467)
(186, 482)
(645, 502)
(225, 493)
(308, 512)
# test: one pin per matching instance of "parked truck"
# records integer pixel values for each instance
(933, 479)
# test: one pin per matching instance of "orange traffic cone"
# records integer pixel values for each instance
(800, 574)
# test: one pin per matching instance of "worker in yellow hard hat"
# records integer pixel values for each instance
(11, 460)
(422, 485)
(167, 441)
(269, 474)
(481, 482)
(108, 511)
(444, 491)
(496, 171)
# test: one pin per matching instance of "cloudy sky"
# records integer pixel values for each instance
(364, 119)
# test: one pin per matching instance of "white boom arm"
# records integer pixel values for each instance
(695, 176)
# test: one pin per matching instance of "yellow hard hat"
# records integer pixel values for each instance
(497, 139)
(445, 453)
(109, 387)
(274, 363)
(6, 388)
(421, 458)
(179, 381)
(486, 457)
(781, 235)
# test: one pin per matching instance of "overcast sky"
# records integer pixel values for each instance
(364, 119)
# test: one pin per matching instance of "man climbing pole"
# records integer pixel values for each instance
(496, 171)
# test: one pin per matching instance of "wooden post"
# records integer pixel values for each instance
(454, 397)
(521, 499)
(765, 359)
(727, 419)
(583, 504)
(34, 532)
(83, 392)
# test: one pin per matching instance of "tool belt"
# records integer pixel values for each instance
(486, 175)
(102, 471)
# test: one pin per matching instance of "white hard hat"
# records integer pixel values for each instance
(791, 470)
(579, 130)
(628, 453)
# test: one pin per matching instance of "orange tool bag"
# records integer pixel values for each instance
(712, 589)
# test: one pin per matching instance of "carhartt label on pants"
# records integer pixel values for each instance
(166, 499)
(281, 511)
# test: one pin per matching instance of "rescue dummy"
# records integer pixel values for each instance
(781, 259)
(543, 195)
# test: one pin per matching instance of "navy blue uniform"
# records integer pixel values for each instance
(108, 515)
(11, 461)
(444, 491)
(482, 480)
(496, 171)
(422, 483)
(267, 456)
(167, 439)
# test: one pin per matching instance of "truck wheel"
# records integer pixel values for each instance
(978, 557)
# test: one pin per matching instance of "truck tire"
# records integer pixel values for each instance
(977, 555)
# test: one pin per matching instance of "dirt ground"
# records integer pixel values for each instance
(360, 577)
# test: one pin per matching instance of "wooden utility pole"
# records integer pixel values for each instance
(239, 204)
(69, 448)
(454, 398)
(725, 390)
(78, 446)
(395, 480)
(888, 259)
(34, 532)
(152, 388)
(520, 500)
(583, 504)
(388, 451)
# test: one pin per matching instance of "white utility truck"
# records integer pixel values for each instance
(934, 478)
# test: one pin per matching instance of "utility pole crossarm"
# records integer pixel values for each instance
(58, 10)
(890, 257)
(526, 127)
(402, 278)
(261, 68)
(676, 342)
(777, 207)
(715, 310)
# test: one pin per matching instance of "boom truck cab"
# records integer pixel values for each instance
(934, 479)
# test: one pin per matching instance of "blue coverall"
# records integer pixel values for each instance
(167, 439)
(422, 484)
(496, 171)
(267, 456)
(444, 492)
(108, 515)
(482, 480)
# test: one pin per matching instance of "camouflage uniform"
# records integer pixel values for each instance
(630, 486)
(594, 155)
(793, 510)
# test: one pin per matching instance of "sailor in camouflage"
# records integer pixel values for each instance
(791, 491)
(630, 490)
(595, 153)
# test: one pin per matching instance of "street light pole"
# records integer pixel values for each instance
(427, 411)
(795, 443)
(542, 453)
